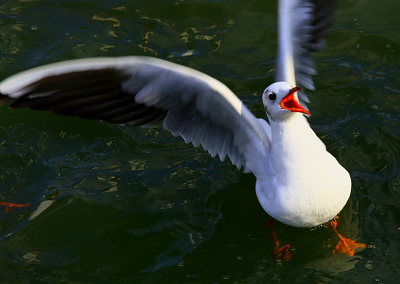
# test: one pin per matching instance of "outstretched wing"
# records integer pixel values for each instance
(142, 91)
(302, 27)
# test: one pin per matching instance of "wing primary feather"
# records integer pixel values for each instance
(153, 117)
(143, 114)
(65, 96)
(76, 80)
(133, 109)
(123, 101)
(82, 102)
(142, 91)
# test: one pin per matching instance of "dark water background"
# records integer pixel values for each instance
(140, 206)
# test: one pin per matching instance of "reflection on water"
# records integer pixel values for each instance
(111, 205)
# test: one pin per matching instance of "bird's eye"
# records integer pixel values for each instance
(272, 97)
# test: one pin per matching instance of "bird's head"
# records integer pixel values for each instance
(280, 101)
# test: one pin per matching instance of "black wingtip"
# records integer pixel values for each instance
(323, 18)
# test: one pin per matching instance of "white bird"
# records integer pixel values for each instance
(298, 182)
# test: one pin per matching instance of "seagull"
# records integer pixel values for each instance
(299, 182)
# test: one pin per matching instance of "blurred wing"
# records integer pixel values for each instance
(302, 27)
(142, 91)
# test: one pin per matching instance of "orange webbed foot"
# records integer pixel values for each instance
(10, 205)
(279, 252)
(345, 245)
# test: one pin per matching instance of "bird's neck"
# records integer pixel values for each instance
(293, 140)
(294, 125)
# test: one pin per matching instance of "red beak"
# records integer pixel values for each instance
(291, 103)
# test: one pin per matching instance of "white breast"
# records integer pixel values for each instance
(308, 186)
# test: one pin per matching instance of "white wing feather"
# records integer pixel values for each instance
(302, 27)
(143, 91)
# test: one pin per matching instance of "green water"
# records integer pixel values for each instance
(140, 206)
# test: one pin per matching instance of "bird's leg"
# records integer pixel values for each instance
(279, 252)
(345, 245)
(10, 205)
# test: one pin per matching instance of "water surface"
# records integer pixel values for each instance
(141, 206)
